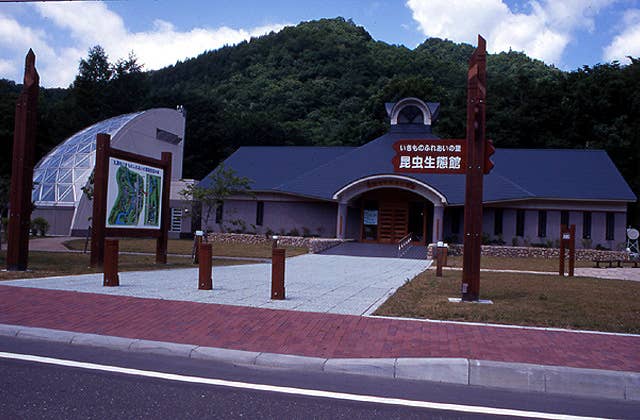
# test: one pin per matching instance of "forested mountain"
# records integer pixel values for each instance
(325, 83)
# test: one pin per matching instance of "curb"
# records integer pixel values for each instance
(515, 376)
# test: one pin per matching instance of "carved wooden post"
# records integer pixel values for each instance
(476, 93)
(24, 139)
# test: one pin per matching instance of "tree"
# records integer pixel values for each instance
(127, 66)
(96, 67)
(214, 189)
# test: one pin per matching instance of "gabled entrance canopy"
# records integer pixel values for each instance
(392, 206)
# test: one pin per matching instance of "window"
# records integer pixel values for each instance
(564, 218)
(219, 211)
(611, 226)
(259, 213)
(586, 225)
(455, 221)
(519, 222)
(176, 220)
(497, 221)
(542, 223)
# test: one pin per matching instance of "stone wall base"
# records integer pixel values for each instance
(533, 252)
(314, 245)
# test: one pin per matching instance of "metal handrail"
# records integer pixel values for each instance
(403, 243)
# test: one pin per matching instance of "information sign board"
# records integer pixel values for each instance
(134, 195)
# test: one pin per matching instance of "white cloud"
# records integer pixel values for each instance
(87, 24)
(543, 32)
(7, 66)
(627, 43)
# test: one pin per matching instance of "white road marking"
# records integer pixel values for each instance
(293, 391)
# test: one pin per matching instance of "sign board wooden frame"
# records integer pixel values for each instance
(99, 231)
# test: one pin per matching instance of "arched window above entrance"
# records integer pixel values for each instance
(412, 111)
(411, 115)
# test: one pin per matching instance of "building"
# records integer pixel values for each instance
(61, 175)
(353, 192)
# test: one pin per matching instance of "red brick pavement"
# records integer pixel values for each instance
(309, 334)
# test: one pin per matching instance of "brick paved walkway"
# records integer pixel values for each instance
(309, 334)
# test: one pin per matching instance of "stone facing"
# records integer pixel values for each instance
(314, 245)
(533, 252)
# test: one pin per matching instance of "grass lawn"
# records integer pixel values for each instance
(47, 264)
(523, 299)
(185, 246)
(524, 264)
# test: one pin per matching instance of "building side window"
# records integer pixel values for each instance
(519, 222)
(611, 226)
(455, 221)
(259, 213)
(586, 225)
(176, 220)
(564, 218)
(219, 211)
(497, 221)
(542, 223)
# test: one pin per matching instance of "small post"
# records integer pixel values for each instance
(572, 249)
(567, 240)
(277, 274)
(441, 259)
(197, 240)
(563, 237)
(205, 281)
(110, 267)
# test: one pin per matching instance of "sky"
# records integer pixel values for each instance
(565, 33)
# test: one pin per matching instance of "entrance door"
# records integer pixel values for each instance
(393, 221)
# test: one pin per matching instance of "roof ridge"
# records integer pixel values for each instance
(510, 181)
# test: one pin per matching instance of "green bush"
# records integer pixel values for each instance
(40, 226)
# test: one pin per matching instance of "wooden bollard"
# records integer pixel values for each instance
(205, 282)
(110, 267)
(277, 273)
(441, 259)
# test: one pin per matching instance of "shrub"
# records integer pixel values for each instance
(39, 225)
(293, 232)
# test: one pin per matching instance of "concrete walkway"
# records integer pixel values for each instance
(51, 243)
(314, 283)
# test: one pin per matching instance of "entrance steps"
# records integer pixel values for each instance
(359, 249)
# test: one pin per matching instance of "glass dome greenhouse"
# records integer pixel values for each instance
(60, 175)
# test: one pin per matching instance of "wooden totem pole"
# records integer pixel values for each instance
(24, 139)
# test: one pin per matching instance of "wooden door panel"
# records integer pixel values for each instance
(393, 221)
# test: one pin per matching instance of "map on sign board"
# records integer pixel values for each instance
(430, 156)
(134, 195)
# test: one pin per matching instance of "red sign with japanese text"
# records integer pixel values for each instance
(430, 156)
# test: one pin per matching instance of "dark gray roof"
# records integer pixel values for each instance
(271, 166)
(519, 174)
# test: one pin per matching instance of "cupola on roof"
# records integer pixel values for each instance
(412, 111)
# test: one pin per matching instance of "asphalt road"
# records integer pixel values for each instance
(42, 390)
